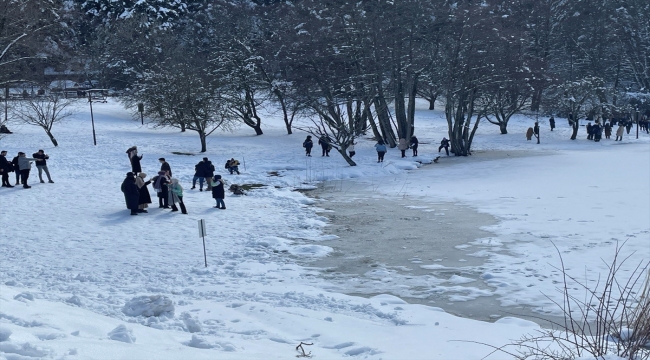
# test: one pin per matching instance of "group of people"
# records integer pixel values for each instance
(381, 147)
(21, 165)
(168, 189)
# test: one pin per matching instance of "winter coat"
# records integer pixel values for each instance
(131, 193)
(25, 163)
(5, 165)
(324, 142)
(199, 169)
(608, 130)
(217, 189)
(551, 121)
(135, 164)
(209, 169)
(175, 192)
(40, 159)
(351, 148)
(414, 142)
(402, 145)
(589, 129)
(165, 167)
(14, 164)
(619, 131)
(380, 147)
(144, 198)
(529, 133)
(444, 142)
(308, 144)
(161, 185)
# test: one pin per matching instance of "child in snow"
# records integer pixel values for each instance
(218, 192)
(176, 196)
(381, 150)
(308, 144)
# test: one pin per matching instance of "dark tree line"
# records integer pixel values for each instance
(354, 67)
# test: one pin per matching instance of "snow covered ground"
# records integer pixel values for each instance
(81, 279)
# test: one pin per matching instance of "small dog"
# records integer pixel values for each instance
(436, 159)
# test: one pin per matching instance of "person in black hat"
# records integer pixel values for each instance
(164, 166)
(131, 193)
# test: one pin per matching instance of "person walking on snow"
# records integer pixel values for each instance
(5, 169)
(551, 122)
(131, 193)
(176, 196)
(308, 144)
(324, 143)
(218, 192)
(444, 143)
(164, 166)
(619, 132)
(381, 150)
(145, 198)
(414, 145)
(135, 160)
(25, 166)
(161, 185)
(41, 164)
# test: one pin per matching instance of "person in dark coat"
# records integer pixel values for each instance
(414, 145)
(308, 144)
(209, 172)
(164, 166)
(136, 168)
(41, 164)
(597, 131)
(161, 185)
(218, 192)
(5, 169)
(131, 193)
(590, 134)
(145, 198)
(608, 130)
(551, 122)
(445, 144)
(199, 174)
(324, 143)
(14, 165)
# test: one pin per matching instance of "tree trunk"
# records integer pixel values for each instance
(344, 153)
(384, 121)
(258, 130)
(204, 146)
(287, 122)
(503, 126)
(373, 126)
(182, 127)
(432, 104)
(576, 126)
(410, 114)
(54, 142)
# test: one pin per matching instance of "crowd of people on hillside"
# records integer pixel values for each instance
(168, 189)
(21, 165)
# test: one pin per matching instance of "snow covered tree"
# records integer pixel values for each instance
(578, 99)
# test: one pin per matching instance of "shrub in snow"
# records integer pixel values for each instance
(24, 296)
(121, 333)
(4, 334)
(154, 305)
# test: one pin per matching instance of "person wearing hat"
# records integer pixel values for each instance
(164, 166)
(218, 192)
(136, 168)
(131, 193)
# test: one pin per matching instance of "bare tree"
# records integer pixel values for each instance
(45, 111)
